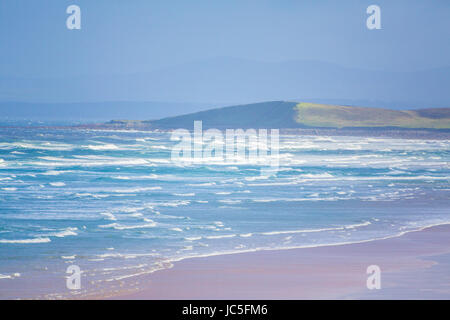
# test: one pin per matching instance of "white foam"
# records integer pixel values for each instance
(184, 194)
(316, 176)
(97, 196)
(298, 199)
(257, 178)
(221, 237)
(26, 241)
(102, 147)
(136, 190)
(37, 145)
(135, 215)
(109, 216)
(139, 266)
(89, 161)
(206, 184)
(57, 184)
(246, 235)
(230, 201)
(144, 177)
(175, 203)
(352, 226)
(52, 173)
(9, 276)
(127, 227)
(127, 255)
(63, 233)
(192, 238)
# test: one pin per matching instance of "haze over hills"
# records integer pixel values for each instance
(228, 81)
(96, 111)
(291, 115)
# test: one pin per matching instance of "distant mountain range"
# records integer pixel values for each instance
(228, 81)
(291, 115)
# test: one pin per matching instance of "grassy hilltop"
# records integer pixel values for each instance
(321, 115)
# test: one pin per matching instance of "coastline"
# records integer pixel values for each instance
(413, 266)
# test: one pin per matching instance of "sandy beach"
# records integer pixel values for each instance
(413, 266)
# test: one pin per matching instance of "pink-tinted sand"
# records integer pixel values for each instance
(413, 266)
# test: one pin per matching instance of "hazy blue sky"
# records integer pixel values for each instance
(142, 35)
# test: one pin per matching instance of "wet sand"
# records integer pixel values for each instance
(415, 265)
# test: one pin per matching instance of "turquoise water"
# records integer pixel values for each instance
(113, 202)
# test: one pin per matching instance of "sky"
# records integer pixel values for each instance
(126, 37)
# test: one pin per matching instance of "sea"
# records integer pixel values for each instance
(114, 204)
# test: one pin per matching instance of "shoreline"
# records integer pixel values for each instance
(322, 272)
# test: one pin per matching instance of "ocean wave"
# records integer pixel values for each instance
(146, 177)
(316, 176)
(139, 266)
(38, 145)
(26, 241)
(54, 172)
(57, 184)
(221, 236)
(68, 257)
(314, 198)
(88, 162)
(136, 190)
(129, 227)
(192, 238)
(288, 183)
(101, 147)
(206, 184)
(230, 201)
(135, 215)
(184, 194)
(257, 178)
(95, 196)
(246, 235)
(352, 226)
(127, 255)
(9, 189)
(63, 233)
(175, 203)
(160, 147)
(9, 276)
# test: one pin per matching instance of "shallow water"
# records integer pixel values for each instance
(113, 202)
